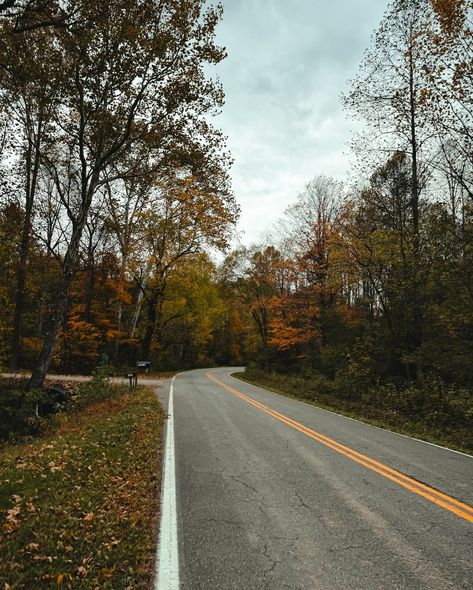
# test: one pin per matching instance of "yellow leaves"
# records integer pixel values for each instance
(12, 522)
(113, 543)
(107, 572)
(89, 517)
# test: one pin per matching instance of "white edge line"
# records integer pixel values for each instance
(425, 442)
(167, 559)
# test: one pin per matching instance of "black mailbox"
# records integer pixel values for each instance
(133, 378)
(143, 365)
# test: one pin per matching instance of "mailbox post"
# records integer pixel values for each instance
(133, 379)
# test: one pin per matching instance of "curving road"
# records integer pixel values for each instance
(273, 493)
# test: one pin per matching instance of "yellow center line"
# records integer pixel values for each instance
(459, 508)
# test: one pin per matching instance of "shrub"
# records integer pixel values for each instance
(98, 388)
(19, 415)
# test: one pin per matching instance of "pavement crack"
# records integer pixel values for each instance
(243, 483)
(274, 562)
(301, 502)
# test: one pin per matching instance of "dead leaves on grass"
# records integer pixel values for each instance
(111, 449)
(12, 521)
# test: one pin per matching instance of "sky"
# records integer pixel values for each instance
(288, 62)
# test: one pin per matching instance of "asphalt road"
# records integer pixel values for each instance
(263, 502)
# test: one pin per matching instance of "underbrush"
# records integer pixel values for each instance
(434, 411)
(78, 505)
(27, 414)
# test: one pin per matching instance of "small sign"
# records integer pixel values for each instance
(143, 364)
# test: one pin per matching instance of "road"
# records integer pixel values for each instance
(263, 502)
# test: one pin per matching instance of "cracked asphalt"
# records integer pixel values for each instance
(261, 505)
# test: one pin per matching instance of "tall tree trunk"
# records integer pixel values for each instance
(44, 361)
(90, 291)
(32, 160)
(150, 326)
(62, 302)
(136, 315)
(417, 309)
(139, 300)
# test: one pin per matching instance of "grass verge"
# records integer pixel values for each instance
(458, 440)
(78, 506)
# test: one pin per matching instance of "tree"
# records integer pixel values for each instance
(390, 94)
(448, 69)
(29, 99)
(192, 314)
(31, 15)
(182, 216)
(132, 74)
(257, 276)
(380, 239)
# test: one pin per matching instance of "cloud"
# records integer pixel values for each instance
(288, 62)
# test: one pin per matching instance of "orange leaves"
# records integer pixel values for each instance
(89, 517)
(295, 320)
(451, 14)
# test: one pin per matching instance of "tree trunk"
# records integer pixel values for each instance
(44, 361)
(69, 268)
(20, 296)
(90, 292)
(417, 310)
(32, 160)
(150, 326)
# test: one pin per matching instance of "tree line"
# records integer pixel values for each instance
(115, 185)
(112, 177)
(367, 285)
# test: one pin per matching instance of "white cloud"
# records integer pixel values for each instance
(288, 61)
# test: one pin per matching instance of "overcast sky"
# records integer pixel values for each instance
(288, 62)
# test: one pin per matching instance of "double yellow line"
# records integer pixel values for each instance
(459, 508)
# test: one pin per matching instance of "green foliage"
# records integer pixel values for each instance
(18, 411)
(434, 410)
(98, 388)
(28, 413)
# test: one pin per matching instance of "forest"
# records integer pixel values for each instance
(116, 198)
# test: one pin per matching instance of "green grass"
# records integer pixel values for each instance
(457, 439)
(79, 506)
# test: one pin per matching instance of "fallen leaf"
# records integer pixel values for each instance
(107, 571)
(11, 521)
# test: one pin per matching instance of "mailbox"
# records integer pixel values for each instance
(143, 365)
(133, 379)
